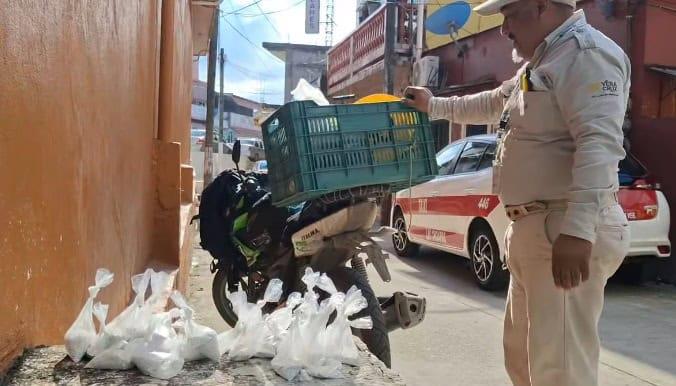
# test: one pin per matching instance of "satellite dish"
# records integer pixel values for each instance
(449, 18)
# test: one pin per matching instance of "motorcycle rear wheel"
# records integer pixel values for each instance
(219, 289)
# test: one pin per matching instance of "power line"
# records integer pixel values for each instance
(269, 12)
(263, 92)
(249, 41)
(245, 71)
(242, 8)
(268, 19)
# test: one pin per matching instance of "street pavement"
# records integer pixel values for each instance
(459, 342)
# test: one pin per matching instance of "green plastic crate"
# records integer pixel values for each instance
(313, 150)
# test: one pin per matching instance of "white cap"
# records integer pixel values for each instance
(491, 7)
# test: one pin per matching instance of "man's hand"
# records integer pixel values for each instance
(570, 261)
(418, 98)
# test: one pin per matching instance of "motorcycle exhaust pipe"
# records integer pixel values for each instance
(403, 310)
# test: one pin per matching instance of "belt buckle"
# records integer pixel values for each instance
(515, 212)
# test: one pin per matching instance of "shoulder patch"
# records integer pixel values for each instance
(602, 88)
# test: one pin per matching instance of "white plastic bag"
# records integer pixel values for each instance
(225, 341)
(101, 313)
(116, 357)
(159, 354)
(252, 336)
(300, 348)
(134, 321)
(197, 341)
(82, 332)
(288, 362)
(337, 341)
(161, 284)
(318, 362)
(305, 91)
(279, 320)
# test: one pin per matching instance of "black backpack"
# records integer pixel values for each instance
(218, 200)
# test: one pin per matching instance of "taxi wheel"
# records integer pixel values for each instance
(485, 260)
(402, 245)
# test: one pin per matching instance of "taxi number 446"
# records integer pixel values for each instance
(484, 203)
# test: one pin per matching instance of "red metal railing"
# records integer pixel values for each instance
(365, 45)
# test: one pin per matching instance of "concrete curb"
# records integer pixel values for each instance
(51, 366)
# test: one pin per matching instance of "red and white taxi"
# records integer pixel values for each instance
(456, 212)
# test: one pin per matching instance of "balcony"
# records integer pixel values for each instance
(361, 54)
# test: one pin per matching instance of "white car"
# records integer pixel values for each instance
(251, 148)
(456, 212)
(260, 167)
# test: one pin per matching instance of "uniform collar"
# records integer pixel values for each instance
(577, 17)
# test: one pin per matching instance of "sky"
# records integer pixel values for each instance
(250, 70)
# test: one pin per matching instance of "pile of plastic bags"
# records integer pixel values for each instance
(143, 335)
(297, 335)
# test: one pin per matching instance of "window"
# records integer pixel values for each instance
(447, 157)
(440, 134)
(487, 159)
(475, 130)
(470, 158)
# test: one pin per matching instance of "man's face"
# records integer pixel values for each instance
(520, 25)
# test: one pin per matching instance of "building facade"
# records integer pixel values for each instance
(356, 65)
(302, 61)
(238, 114)
(99, 175)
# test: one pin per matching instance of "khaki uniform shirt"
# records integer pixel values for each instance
(563, 136)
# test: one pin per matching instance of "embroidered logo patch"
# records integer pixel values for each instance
(603, 88)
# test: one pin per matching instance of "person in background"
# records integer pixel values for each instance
(559, 144)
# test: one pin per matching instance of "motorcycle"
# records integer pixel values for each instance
(331, 234)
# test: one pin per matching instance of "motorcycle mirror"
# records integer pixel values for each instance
(236, 152)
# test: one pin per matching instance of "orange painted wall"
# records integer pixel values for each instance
(79, 111)
(176, 75)
(175, 99)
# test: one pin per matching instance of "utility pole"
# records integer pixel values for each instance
(419, 20)
(328, 33)
(211, 80)
(389, 57)
(221, 104)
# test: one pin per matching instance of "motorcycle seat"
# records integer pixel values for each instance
(310, 239)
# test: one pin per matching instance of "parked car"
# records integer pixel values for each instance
(456, 212)
(252, 149)
(197, 137)
(261, 167)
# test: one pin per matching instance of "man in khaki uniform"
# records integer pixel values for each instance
(560, 141)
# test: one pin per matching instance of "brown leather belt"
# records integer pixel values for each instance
(516, 212)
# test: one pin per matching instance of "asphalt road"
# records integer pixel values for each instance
(459, 342)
